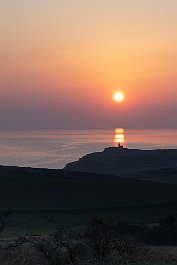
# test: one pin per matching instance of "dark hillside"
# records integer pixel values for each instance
(75, 197)
(22, 188)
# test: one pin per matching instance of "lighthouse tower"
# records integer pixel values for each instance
(120, 146)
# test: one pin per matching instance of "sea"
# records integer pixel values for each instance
(54, 149)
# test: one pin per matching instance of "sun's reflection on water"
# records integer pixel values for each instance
(119, 137)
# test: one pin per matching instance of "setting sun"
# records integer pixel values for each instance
(118, 96)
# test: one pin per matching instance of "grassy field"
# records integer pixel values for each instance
(35, 221)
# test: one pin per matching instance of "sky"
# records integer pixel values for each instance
(62, 60)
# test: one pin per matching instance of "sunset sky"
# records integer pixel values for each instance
(62, 60)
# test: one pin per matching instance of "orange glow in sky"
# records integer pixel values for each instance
(62, 60)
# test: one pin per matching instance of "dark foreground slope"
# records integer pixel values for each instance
(74, 198)
(25, 188)
(158, 165)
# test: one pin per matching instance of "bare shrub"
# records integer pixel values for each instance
(99, 237)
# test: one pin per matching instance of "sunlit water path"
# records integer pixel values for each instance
(53, 149)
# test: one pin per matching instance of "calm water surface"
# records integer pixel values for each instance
(53, 149)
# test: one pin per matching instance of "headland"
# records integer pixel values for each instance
(159, 164)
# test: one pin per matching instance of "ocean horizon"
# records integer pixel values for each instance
(54, 149)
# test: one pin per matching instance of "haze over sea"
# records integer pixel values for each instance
(53, 149)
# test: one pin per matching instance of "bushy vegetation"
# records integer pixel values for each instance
(100, 243)
(163, 233)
